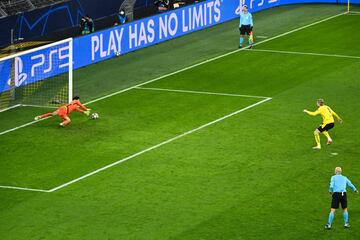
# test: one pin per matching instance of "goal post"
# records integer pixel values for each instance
(353, 6)
(42, 76)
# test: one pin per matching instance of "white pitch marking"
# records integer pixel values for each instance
(353, 13)
(304, 53)
(199, 92)
(164, 76)
(6, 109)
(159, 145)
(24, 189)
(21, 126)
(263, 37)
(192, 66)
(215, 58)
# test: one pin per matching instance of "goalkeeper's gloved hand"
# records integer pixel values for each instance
(87, 112)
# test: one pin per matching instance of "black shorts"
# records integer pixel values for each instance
(245, 29)
(337, 198)
(326, 128)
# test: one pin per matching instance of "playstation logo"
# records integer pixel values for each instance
(19, 76)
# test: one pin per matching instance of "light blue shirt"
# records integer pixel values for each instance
(338, 183)
(246, 19)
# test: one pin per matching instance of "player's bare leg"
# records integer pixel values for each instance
(66, 121)
(46, 115)
(317, 139)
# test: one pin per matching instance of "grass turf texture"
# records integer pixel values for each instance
(252, 176)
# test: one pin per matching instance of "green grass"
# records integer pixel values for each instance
(251, 176)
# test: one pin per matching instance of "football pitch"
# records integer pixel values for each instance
(197, 139)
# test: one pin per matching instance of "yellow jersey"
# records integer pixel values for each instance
(326, 113)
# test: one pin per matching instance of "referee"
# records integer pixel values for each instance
(338, 184)
(245, 26)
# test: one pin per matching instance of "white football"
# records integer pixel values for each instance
(94, 116)
(117, 54)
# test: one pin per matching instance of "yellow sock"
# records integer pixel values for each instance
(317, 138)
(326, 133)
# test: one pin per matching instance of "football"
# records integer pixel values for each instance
(117, 54)
(94, 116)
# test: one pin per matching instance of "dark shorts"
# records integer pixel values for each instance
(327, 127)
(245, 29)
(337, 198)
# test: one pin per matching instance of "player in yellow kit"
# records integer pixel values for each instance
(328, 122)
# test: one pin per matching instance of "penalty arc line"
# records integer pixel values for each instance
(192, 66)
(159, 145)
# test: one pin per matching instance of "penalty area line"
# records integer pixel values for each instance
(199, 92)
(159, 145)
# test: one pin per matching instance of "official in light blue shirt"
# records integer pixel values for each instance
(338, 184)
(337, 189)
(246, 25)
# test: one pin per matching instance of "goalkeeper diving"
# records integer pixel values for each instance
(328, 122)
(64, 111)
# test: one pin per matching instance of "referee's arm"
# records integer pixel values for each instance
(348, 182)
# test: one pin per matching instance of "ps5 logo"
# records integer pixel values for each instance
(37, 67)
(45, 62)
(19, 76)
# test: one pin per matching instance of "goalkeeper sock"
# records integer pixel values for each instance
(326, 133)
(317, 138)
(241, 41)
(331, 218)
(46, 115)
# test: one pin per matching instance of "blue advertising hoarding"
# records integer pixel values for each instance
(34, 66)
(149, 31)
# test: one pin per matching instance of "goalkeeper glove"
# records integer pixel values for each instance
(87, 112)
